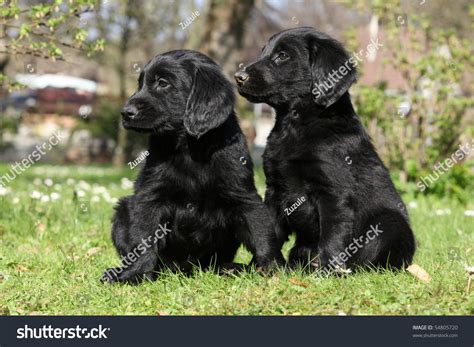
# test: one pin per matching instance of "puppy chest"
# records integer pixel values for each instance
(297, 206)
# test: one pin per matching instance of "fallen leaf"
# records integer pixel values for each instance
(92, 232)
(419, 272)
(4, 311)
(92, 251)
(21, 268)
(73, 257)
(297, 282)
(41, 227)
(162, 313)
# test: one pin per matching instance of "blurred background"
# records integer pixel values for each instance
(69, 66)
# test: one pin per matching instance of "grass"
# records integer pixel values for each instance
(52, 254)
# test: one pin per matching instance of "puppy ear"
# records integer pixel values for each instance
(333, 69)
(210, 102)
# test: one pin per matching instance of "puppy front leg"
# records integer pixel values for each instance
(260, 238)
(337, 223)
(141, 261)
(133, 269)
(282, 229)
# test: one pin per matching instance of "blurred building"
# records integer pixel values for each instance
(48, 93)
(50, 103)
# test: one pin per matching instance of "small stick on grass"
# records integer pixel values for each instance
(470, 272)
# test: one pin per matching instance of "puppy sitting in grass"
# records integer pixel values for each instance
(195, 200)
(319, 155)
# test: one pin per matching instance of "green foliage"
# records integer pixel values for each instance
(8, 123)
(432, 63)
(457, 183)
(104, 122)
(44, 30)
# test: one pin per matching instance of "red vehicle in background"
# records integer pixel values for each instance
(59, 94)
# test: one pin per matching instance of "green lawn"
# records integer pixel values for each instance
(52, 254)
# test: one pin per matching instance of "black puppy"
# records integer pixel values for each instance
(195, 200)
(325, 180)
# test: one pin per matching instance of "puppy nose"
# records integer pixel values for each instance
(129, 111)
(241, 76)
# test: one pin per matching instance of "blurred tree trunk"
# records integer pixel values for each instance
(171, 41)
(194, 36)
(137, 36)
(6, 59)
(119, 154)
(3, 66)
(224, 31)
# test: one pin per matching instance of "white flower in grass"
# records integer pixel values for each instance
(106, 196)
(55, 196)
(99, 190)
(469, 213)
(443, 212)
(126, 183)
(48, 182)
(70, 181)
(81, 193)
(16, 200)
(45, 198)
(35, 195)
(412, 204)
(3, 191)
(84, 185)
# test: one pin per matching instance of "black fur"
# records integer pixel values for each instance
(319, 150)
(197, 183)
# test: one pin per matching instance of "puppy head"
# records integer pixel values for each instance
(176, 90)
(296, 64)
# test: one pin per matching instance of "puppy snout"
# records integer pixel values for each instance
(129, 112)
(241, 77)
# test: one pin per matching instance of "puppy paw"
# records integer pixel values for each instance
(111, 275)
(271, 267)
(315, 264)
(119, 275)
(231, 268)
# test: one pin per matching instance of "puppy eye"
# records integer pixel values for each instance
(162, 83)
(281, 57)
